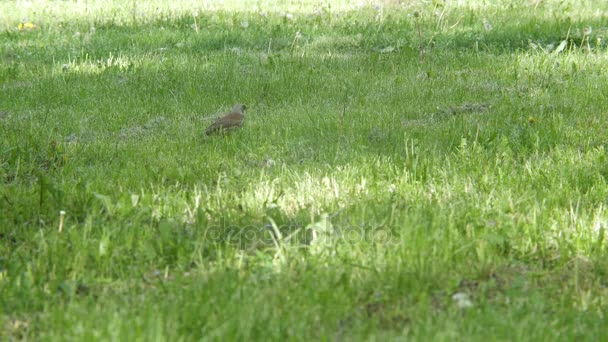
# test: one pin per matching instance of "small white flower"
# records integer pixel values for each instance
(462, 300)
(289, 16)
(244, 24)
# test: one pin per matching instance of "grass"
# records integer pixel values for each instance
(371, 183)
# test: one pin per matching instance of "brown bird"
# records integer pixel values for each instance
(228, 122)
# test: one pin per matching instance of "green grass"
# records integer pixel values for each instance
(371, 182)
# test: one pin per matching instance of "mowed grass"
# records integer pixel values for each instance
(425, 171)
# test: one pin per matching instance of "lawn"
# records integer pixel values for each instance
(430, 170)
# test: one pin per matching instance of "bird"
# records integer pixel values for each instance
(228, 122)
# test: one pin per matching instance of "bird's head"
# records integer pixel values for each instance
(239, 108)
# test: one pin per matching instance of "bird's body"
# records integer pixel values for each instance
(228, 122)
